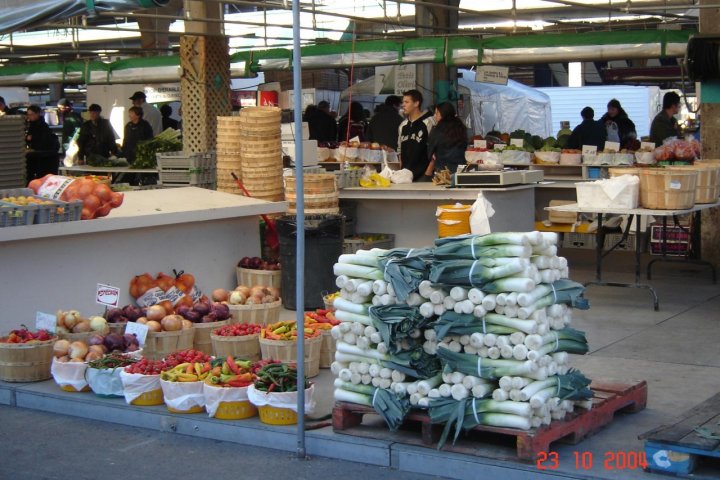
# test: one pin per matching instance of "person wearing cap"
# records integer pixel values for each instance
(150, 114)
(618, 125)
(70, 121)
(589, 132)
(42, 144)
(665, 125)
(136, 130)
(97, 136)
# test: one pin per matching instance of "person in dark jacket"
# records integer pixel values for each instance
(43, 145)
(589, 132)
(448, 139)
(664, 125)
(96, 136)
(357, 124)
(321, 125)
(413, 136)
(167, 121)
(384, 124)
(618, 125)
(136, 131)
(70, 121)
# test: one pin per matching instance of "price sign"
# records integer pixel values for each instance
(45, 321)
(647, 146)
(499, 146)
(517, 142)
(107, 295)
(612, 146)
(480, 143)
(139, 330)
(589, 150)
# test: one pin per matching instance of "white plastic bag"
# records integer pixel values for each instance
(481, 212)
(214, 396)
(135, 384)
(105, 381)
(71, 154)
(401, 176)
(281, 400)
(183, 395)
(69, 374)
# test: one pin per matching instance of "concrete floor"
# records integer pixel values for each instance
(674, 349)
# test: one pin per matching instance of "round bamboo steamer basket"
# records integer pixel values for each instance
(667, 189)
(262, 160)
(227, 119)
(314, 211)
(228, 161)
(247, 346)
(201, 339)
(231, 190)
(159, 344)
(26, 362)
(708, 181)
(274, 195)
(286, 352)
(314, 183)
(318, 201)
(260, 112)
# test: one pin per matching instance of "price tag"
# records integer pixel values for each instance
(45, 321)
(499, 146)
(612, 147)
(480, 143)
(589, 150)
(647, 146)
(107, 295)
(138, 329)
(517, 142)
(675, 185)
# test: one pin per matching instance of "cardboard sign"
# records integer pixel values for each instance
(517, 142)
(107, 295)
(139, 330)
(589, 150)
(45, 321)
(492, 74)
(647, 146)
(612, 147)
(480, 143)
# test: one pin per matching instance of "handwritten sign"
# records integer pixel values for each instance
(492, 74)
(107, 295)
(647, 146)
(139, 330)
(612, 147)
(589, 150)
(480, 143)
(517, 142)
(45, 321)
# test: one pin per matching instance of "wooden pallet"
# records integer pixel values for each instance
(676, 448)
(609, 399)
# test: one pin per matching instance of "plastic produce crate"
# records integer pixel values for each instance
(194, 176)
(185, 160)
(56, 212)
(349, 178)
(366, 241)
(16, 215)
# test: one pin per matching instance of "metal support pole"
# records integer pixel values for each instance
(300, 245)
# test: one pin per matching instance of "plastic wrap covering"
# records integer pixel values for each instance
(22, 14)
(346, 59)
(146, 75)
(465, 57)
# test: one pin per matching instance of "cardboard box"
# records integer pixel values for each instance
(310, 147)
(561, 217)
(579, 240)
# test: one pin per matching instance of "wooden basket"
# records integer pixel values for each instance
(262, 314)
(203, 331)
(708, 181)
(265, 278)
(314, 183)
(78, 337)
(246, 346)
(286, 352)
(618, 171)
(327, 349)
(159, 344)
(22, 362)
(667, 189)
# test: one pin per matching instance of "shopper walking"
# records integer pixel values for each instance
(70, 121)
(151, 114)
(665, 125)
(42, 144)
(136, 130)
(448, 140)
(384, 124)
(618, 125)
(96, 136)
(413, 136)
(589, 132)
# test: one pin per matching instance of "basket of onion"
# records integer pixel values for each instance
(256, 304)
(256, 271)
(25, 356)
(72, 326)
(141, 382)
(166, 333)
(117, 318)
(206, 317)
(70, 358)
(237, 340)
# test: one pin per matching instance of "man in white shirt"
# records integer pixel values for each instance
(150, 114)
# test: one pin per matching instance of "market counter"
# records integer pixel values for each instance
(408, 210)
(58, 266)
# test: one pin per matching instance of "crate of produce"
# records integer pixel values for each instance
(349, 178)
(244, 346)
(262, 313)
(668, 188)
(251, 276)
(45, 210)
(14, 215)
(26, 362)
(185, 160)
(616, 240)
(366, 241)
(286, 352)
(201, 340)
(579, 240)
(159, 344)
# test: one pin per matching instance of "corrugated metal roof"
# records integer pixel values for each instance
(638, 102)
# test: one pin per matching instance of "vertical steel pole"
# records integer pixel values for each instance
(300, 245)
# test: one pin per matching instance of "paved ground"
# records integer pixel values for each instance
(37, 445)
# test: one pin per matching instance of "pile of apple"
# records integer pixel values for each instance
(244, 295)
(72, 322)
(257, 263)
